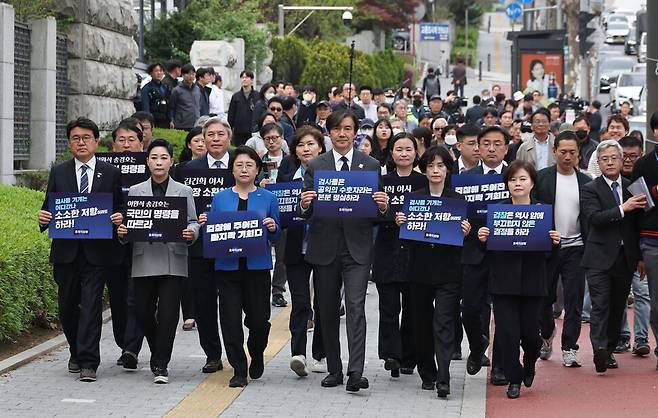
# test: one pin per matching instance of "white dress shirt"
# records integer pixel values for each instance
(498, 169)
(216, 104)
(338, 156)
(462, 167)
(91, 164)
(224, 160)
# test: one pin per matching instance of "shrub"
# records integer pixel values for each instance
(288, 59)
(388, 68)
(176, 138)
(27, 289)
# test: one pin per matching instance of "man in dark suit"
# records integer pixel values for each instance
(340, 250)
(217, 135)
(493, 144)
(559, 185)
(611, 250)
(81, 268)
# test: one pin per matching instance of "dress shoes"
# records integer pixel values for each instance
(407, 370)
(612, 362)
(257, 366)
(128, 360)
(442, 390)
(356, 382)
(514, 390)
(237, 381)
(332, 380)
(73, 365)
(474, 360)
(395, 373)
(528, 378)
(427, 385)
(601, 360)
(485, 361)
(391, 364)
(212, 366)
(498, 377)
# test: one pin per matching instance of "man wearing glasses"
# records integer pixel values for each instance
(538, 151)
(81, 268)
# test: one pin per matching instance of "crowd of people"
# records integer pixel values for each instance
(604, 239)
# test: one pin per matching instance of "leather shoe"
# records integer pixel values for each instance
(355, 382)
(395, 373)
(332, 380)
(257, 366)
(129, 360)
(514, 390)
(474, 361)
(528, 378)
(498, 377)
(73, 365)
(427, 385)
(391, 364)
(212, 366)
(485, 361)
(407, 370)
(601, 360)
(612, 362)
(237, 381)
(442, 390)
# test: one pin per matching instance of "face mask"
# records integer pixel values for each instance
(397, 131)
(389, 100)
(450, 139)
(581, 134)
(268, 96)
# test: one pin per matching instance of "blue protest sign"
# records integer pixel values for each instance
(434, 32)
(345, 193)
(396, 187)
(234, 234)
(480, 190)
(205, 184)
(514, 11)
(433, 219)
(132, 165)
(288, 196)
(80, 216)
(156, 219)
(519, 227)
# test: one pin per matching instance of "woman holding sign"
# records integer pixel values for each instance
(159, 268)
(307, 144)
(518, 283)
(244, 282)
(389, 270)
(435, 283)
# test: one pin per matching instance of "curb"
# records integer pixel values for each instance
(24, 357)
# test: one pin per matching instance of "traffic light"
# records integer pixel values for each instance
(584, 32)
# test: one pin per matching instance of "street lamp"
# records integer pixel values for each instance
(347, 15)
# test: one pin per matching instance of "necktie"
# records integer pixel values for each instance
(217, 164)
(345, 167)
(492, 171)
(615, 187)
(84, 180)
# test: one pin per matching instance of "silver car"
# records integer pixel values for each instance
(616, 33)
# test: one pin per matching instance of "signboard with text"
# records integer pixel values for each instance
(156, 219)
(132, 165)
(234, 234)
(435, 220)
(435, 32)
(288, 196)
(345, 193)
(205, 184)
(80, 216)
(519, 227)
(479, 190)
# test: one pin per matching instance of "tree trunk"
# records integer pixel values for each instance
(571, 10)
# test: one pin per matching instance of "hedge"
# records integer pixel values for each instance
(176, 137)
(27, 289)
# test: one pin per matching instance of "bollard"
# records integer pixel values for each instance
(480, 71)
(447, 67)
(489, 25)
(489, 62)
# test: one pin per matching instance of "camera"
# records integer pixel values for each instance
(347, 17)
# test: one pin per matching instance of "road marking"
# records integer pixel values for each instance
(76, 400)
(212, 396)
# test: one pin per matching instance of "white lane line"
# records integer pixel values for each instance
(77, 400)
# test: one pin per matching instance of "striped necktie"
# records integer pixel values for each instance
(84, 180)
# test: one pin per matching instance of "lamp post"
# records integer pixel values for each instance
(347, 15)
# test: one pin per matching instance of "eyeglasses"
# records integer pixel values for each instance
(276, 109)
(272, 138)
(130, 140)
(630, 157)
(86, 139)
(606, 160)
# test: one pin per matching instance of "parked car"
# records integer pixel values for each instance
(630, 45)
(628, 88)
(616, 32)
(401, 40)
(642, 48)
(610, 68)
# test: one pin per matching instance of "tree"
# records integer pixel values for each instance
(385, 13)
(458, 10)
(288, 59)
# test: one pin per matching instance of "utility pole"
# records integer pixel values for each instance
(652, 64)
(141, 30)
(466, 35)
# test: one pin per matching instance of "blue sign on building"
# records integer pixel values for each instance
(514, 11)
(434, 32)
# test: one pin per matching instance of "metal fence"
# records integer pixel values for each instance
(22, 50)
(61, 100)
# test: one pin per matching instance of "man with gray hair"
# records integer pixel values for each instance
(612, 250)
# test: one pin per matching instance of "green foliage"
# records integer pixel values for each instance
(173, 36)
(324, 25)
(459, 46)
(25, 10)
(458, 10)
(388, 67)
(27, 290)
(288, 59)
(176, 138)
(33, 179)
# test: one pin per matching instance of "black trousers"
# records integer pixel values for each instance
(279, 275)
(134, 337)
(396, 335)
(608, 290)
(299, 276)
(517, 319)
(203, 285)
(567, 266)
(476, 311)
(157, 301)
(248, 291)
(187, 300)
(433, 308)
(80, 297)
(117, 289)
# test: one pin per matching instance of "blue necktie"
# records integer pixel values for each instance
(345, 167)
(217, 164)
(615, 186)
(84, 180)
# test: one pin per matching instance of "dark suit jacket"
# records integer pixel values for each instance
(606, 227)
(196, 249)
(544, 190)
(324, 233)
(434, 263)
(287, 169)
(522, 273)
(99, 252)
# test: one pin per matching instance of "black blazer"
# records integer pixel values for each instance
(434, 264)
(522, 273)
(295, 235)
(606, 227)
(287, 169)
(99, 252)
(544, 191)
(473, 251)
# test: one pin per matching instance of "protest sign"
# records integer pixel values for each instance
(205, 184)
(288, 196)
(80, 216)
(479, 190)
(234, 234)
(396, 187)
(156, 219)
(132, 165)
(433, 219)
(519, 227)
(345, 193)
